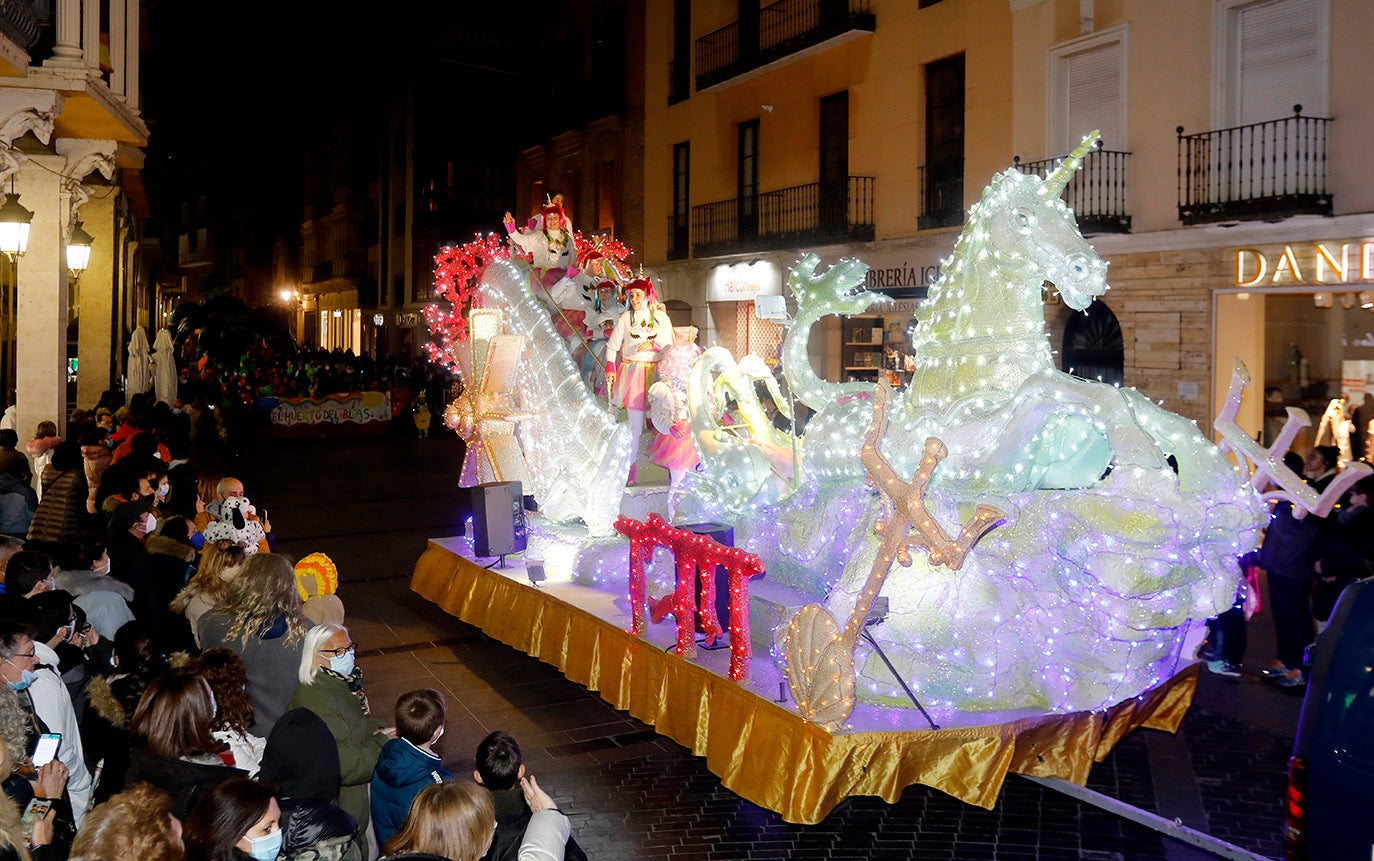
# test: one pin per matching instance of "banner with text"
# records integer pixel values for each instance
(346, 414)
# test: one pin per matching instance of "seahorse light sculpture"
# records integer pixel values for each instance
(577, 453)
(1082, 597)
(835, 432)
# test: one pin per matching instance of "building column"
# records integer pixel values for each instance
(118, 33)
(67, 50)
(41, 362)
(90, 34)
(39, 315)
(95, 296)
(96, 287)
(131, 30)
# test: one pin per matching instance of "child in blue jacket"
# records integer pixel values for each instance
(408, 762)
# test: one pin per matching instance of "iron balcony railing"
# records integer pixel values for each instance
(942, 195)
(800, 215)
(785, 27)
(1097, 192)
(1270, 171)
(19, 22)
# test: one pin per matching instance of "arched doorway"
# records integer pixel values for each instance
(1093, 349)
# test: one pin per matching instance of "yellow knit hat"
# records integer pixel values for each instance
(316, 574)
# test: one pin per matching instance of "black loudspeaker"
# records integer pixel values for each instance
(498, 518)
(726, 536)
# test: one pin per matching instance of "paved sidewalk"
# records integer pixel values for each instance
(371, 504)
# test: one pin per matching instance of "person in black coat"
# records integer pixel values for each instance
(1344, 550)
(302, 758)
(171, 562)
(1286, 557)
(174, 749)
(129, 526)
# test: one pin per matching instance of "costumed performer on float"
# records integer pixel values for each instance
(554, 197)
(551, 248)
(640, 333)
(587, 312)
(673, 448)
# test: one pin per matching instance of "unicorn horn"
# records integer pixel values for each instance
(1054, 183)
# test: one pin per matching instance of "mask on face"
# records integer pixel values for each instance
(149, 523)
(214, 706)
(52, 583)
(26, 678)
(198, 541)
(266, 847)
(342, 664)
(162, 491)
(101, 568)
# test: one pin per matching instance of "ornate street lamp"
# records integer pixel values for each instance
(14, 226)
(79, 250)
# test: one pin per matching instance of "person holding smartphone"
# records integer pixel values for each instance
(48, 703)
(38, 821)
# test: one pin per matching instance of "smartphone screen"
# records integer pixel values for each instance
(37, 809)
(46, 749)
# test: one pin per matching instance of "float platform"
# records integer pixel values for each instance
(749, 732)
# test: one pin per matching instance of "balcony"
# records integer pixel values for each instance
(802, 215)
(1263, 171)
(942, 195)
(784, 31)
(1097, 192)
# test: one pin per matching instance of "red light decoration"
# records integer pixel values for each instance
(692, 554)
(456, 271)
(599, 247)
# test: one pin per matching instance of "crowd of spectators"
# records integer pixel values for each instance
(1308, 561)
(271, 369)
(177, 689)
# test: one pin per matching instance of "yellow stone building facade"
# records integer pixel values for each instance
(865, 129)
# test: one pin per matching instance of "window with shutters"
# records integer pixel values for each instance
(1270, 56)
(1087, 80)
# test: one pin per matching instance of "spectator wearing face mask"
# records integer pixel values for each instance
(45, 697)
(129, 527)
(84, 571)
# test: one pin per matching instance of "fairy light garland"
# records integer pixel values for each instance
(695, 560)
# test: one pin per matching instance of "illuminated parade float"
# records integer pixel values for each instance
(996, 568)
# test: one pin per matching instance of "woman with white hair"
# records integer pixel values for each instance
(331, 686)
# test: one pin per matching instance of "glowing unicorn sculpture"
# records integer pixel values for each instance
(577, 453)
(1080, 598)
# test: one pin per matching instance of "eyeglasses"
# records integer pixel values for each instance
(23, 655)
(340, 652)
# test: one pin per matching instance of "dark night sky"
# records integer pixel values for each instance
(232, 91)
(229, 96)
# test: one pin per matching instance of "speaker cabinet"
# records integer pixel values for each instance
(498, 518)
(722, 534)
